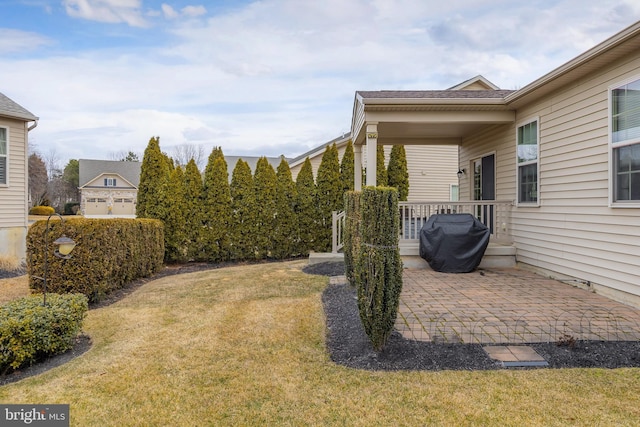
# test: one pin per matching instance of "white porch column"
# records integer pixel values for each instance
(357, 167)
(372, 148)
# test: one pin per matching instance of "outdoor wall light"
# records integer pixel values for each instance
(64, 247)
(461, 173)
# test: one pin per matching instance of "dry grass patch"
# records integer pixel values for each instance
(246, 346)
(14, 288)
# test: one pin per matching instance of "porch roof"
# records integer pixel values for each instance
(433, 117)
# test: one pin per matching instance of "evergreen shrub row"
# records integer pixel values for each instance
(30, 331)
(109, 254)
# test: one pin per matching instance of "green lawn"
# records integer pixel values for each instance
(246, 346)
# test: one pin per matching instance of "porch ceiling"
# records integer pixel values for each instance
(428, 127)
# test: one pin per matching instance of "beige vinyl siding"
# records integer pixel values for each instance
(573, 232)
(432, 171)
(13, 198)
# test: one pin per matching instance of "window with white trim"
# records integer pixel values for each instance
(527, 153)
(4, 156)
(625, 142)
(110, 182)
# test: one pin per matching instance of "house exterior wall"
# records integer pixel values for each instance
(573, 232)
(13, 196)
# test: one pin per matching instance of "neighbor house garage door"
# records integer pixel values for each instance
(95, 206)
(123, 207)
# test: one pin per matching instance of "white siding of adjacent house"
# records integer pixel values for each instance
(13, 197)
(573, 232)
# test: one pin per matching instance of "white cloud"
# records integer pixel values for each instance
(110, 11)
(20, 41)
(278, 76)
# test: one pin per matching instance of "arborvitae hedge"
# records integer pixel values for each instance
(109, 254)
(216, 208)
(398, 174)
(306, 210)
(193, 212)
(154, 178)
(347, 168)
(285, 242)
(378, 268)
(264, 185)
(175, 231)
(351, 233)
(381, 170)
(243, 223)
(329, 193)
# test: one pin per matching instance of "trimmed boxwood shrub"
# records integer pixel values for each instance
(42, 210)
(109, 254)
(378, 267)
(30, 331)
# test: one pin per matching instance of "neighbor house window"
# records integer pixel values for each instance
(4, 151)
(625, 141)
(109, 182)
(527, 152)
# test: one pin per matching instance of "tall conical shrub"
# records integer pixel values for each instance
(285, 239)
(264, 185)
(243, 209)
(154, 178)
(381, 170)
(398, 173)
(175, 232)
(216, 208)
(306, 210)
(347, 167)
(193, 206)
(378, 269)
(329, 193)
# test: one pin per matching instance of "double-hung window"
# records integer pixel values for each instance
(110, 182)
(625, 142)
(527, 162)
(4, 154)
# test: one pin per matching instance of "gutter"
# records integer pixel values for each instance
(33, 126)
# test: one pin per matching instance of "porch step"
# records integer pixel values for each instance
(496, 256)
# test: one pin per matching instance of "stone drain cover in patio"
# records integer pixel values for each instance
(514, 356)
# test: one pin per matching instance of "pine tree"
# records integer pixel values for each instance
(347, 168)
(216, 198)
(175, 231)
(381, 170)
(154, 178)
(193, 219)
(306, 211)
(285, 225)
(398, 174)
(328, 197)
(264, 187)
(243, 208)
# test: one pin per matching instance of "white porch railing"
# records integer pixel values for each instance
(495, 214)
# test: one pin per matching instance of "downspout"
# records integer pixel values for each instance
(33, 126)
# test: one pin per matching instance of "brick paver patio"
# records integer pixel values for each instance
(507, 306)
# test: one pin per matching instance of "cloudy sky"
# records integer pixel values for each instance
(265, 77)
